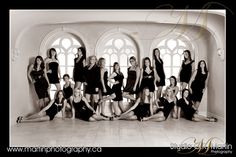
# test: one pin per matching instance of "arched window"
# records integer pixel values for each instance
(117, 48)
(172, 54)
(66, 46)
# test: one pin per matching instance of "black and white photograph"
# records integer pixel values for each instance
(117, 78)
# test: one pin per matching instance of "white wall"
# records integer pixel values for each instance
(23, 95)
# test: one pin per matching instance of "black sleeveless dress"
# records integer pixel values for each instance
(79, 70)
(54, 109)
(160, 72)
(117, 87)
(148, 81)
(142, 110)
(168, 106)
(131, 82)
(53, 77)
(105, 78)
(68, 92)
(188, 110)
(41, 84)
(82, 111)
(186, 72)
(92, 78)
(197, 86)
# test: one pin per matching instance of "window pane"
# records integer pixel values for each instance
(172, 44)
(167, 72)
(63, 70)
(75, 42)
(107, 58)
(176, 60)
(181, 43)
(56, 42)
(162, 43)
(70, 71)
(167, 60)
(175, 71)
(119, 43)
(70, 59)
(123, 60)
(180, 51)
(61, 58)
(109, 42)
(114, 58)
(124, 71)
(74, 50)
(66, 43)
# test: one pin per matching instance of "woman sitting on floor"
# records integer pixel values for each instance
(48, 112)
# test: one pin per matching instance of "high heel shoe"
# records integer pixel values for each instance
(18, 120)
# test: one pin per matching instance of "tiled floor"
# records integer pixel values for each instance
(113, 133)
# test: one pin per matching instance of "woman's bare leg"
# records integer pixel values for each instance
(159, 91)
(156, 117)
(121, 105)
(116, 108)
(78, 85)
(128, 96)
(39, 119)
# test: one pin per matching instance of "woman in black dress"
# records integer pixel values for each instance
(189, 110)
(79, 64)
(81, 108)
(198, 83)
(37, 75)
(131, 87)
(186, 70)
(48, 112)
(142, 108)
(106, 92)
(158, 65)
(173, 86)
(53, 69)
(116, 78)
(92, 82)
(148, 76)
(68, 89)
(164, 106)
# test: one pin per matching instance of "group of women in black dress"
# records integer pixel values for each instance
(139, 89)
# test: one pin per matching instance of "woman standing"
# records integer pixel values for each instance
(37, 75)
(118, 76)
(198, 83)
(92, 81)
(186, 70)
(79, 64)
(148, 76)
(173, 86)
(49, 112)
(68, 89)
(53, 69)
(158, 65)
(107, 93)
(132, 80)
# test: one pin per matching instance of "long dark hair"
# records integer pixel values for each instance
(199, 68)
(57, 98)
(83, 51)
(143, 95)
(188, 98)
(42, 66)
(114, 65)
(144, 66)
(50, 53)
(189, 55)
(153, 53)
(174, 79)
(100, 62)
